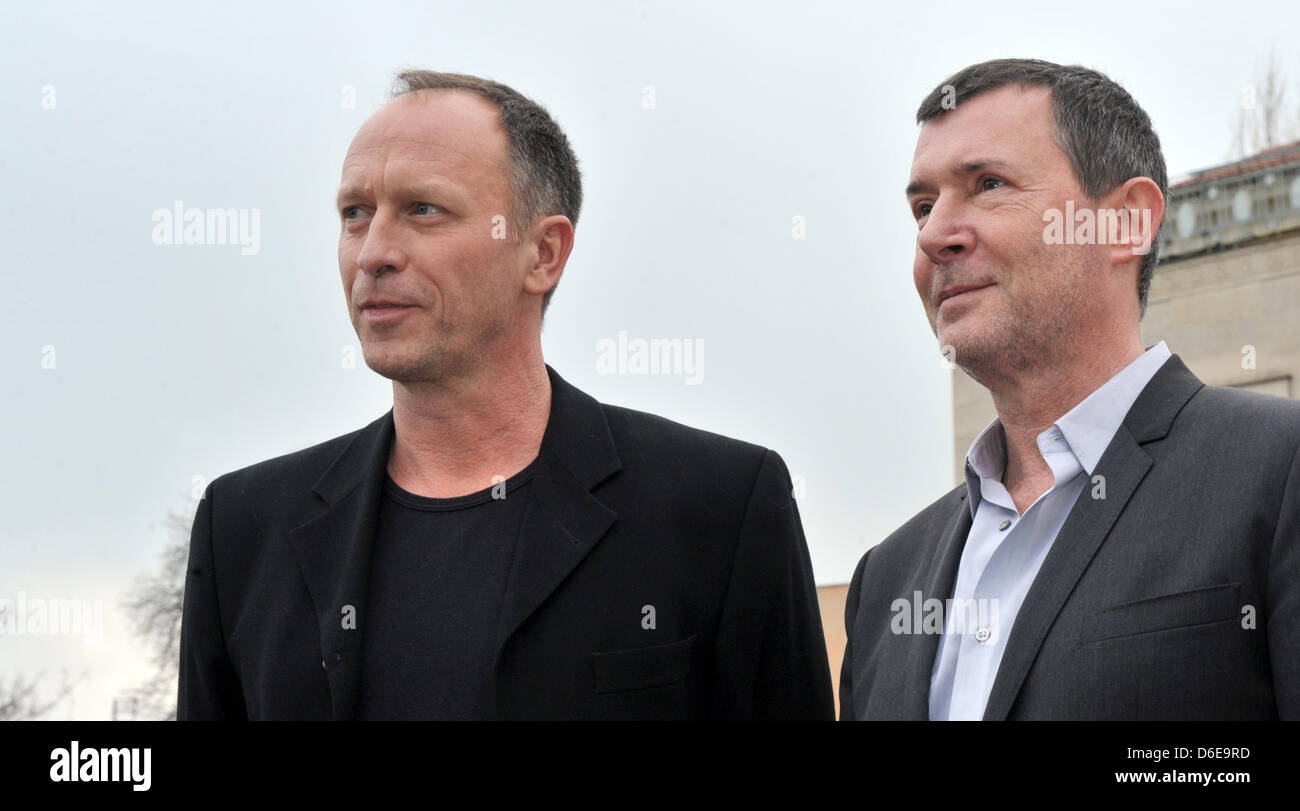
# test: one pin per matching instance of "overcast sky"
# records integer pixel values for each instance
(704, 131)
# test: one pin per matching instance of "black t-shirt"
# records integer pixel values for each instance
(437, 579)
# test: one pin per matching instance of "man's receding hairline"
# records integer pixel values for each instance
(428, 93)
(1022, 86)
(498, 125)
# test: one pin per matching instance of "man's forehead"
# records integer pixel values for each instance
(1003, 106)
(995, 124)
(454, 134)
(431, 125)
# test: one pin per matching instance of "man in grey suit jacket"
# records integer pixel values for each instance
(1126, 544)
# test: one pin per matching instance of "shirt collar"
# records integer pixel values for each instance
(1087, 428)
(1091, 425)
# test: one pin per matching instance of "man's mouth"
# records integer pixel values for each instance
(381, 310)
(956, 290)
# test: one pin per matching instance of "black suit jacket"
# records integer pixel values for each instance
(627, 510)
(1138, 611)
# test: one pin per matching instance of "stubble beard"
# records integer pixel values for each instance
(407, 359)
(436, 358)
(1022, 336)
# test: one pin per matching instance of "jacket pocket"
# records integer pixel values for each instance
(1182, 610)
(617, 671)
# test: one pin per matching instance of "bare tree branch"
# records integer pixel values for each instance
(154, 606)
(1262, 120)
(24, 698)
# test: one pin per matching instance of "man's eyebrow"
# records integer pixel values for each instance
(979, 165)
(964, 168)
(916, 187)
(432, 190)
(348, 192)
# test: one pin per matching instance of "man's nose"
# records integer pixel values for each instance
(947, 234)
(382, 249)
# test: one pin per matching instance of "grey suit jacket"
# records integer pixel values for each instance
(1176, 596)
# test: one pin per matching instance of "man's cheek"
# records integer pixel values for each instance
(922, 277)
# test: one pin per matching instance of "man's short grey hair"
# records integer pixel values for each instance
(1106, 135)
(545, 177)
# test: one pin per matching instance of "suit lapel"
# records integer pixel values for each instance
(334, 551)
(943, 574)
(562, 524)
(564, 520)
(1124, 465)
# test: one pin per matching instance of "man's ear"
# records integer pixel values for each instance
(1142, 207)
(552, 240)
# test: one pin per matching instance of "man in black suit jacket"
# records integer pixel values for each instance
(1127, 541)
(499, 545)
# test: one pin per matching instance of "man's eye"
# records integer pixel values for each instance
(350, 212)
(984, 184)
(425, 208)
(923, 210)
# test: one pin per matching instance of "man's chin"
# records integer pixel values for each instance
(403, 370)
(963, 345)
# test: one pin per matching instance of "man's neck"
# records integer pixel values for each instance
(1029, 402)
(453, 437)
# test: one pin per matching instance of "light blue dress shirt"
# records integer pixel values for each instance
(1004, 549)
